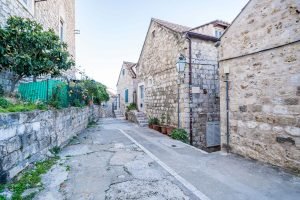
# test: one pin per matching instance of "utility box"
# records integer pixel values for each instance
(213, 134)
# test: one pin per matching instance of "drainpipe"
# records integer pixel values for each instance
(227, 111)
(190, 85)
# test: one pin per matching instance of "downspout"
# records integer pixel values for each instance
(227, 111)
(190, 88)
(226, 71)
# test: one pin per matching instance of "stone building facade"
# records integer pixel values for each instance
(126, 86)
(198, 88)
(261, 49)
(58, 15)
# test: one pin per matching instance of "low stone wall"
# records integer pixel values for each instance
(27, 137)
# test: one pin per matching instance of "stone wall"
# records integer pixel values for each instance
(26, 137)
(264, 87)
(157, 70)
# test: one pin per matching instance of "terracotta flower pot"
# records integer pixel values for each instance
(169, 130)
(156, 127)
(164, 130)
(150, 126)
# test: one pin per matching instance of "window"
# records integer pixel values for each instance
(126, 96)
(153, 33)
(123, 72)
(218, 33)
(61, 30)
(142, 92)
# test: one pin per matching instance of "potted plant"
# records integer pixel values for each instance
(169, 128)
(150, 122)
(156, 125)
(163, 126)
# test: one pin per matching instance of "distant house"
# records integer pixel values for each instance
(126, 86)
(158, 79)
(260, 53)
(57, 15)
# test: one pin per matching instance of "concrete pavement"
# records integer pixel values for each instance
(119, 160)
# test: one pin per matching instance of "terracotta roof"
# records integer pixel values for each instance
(215, 22)
(175, 27)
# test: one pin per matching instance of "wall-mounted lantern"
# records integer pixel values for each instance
(181, 63)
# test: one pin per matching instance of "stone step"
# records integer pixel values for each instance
(143, 121)
(143, 125)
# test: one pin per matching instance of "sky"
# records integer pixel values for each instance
(113, 31)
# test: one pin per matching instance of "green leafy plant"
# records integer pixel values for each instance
(150, 121)
(1, 90)
(180, 134)
(4, 103)
(131, 106)
(95, 91)
(168, 119)
(28, 50)
(55, 150)
(154, 121)
(6, 106)
(162, 119)
(55, 100)
(31, 178)
(92, 123)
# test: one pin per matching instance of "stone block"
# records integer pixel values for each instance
(6, 133)
(13, 144)
(293, 131)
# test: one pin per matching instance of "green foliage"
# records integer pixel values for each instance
(153, 121)
(55, 100)
(1, 90)
(95, 91)
(180, 134)
(55, 150)
(131, 106)
(30, 179)
(162, 119)
(28, 50)
(68, 168)
(81, 93)
(6, 106)
(92, 124)
(77, 97)
(4, 103)
(168, 119)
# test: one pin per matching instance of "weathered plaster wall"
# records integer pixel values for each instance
(26, 137)
(50, 12)
(264, 87)
(126, 82)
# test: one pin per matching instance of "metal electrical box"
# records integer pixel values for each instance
(213, 135)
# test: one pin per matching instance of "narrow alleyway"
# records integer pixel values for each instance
(118, 160)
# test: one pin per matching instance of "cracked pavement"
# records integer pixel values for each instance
(104, 164)
(119, 160)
